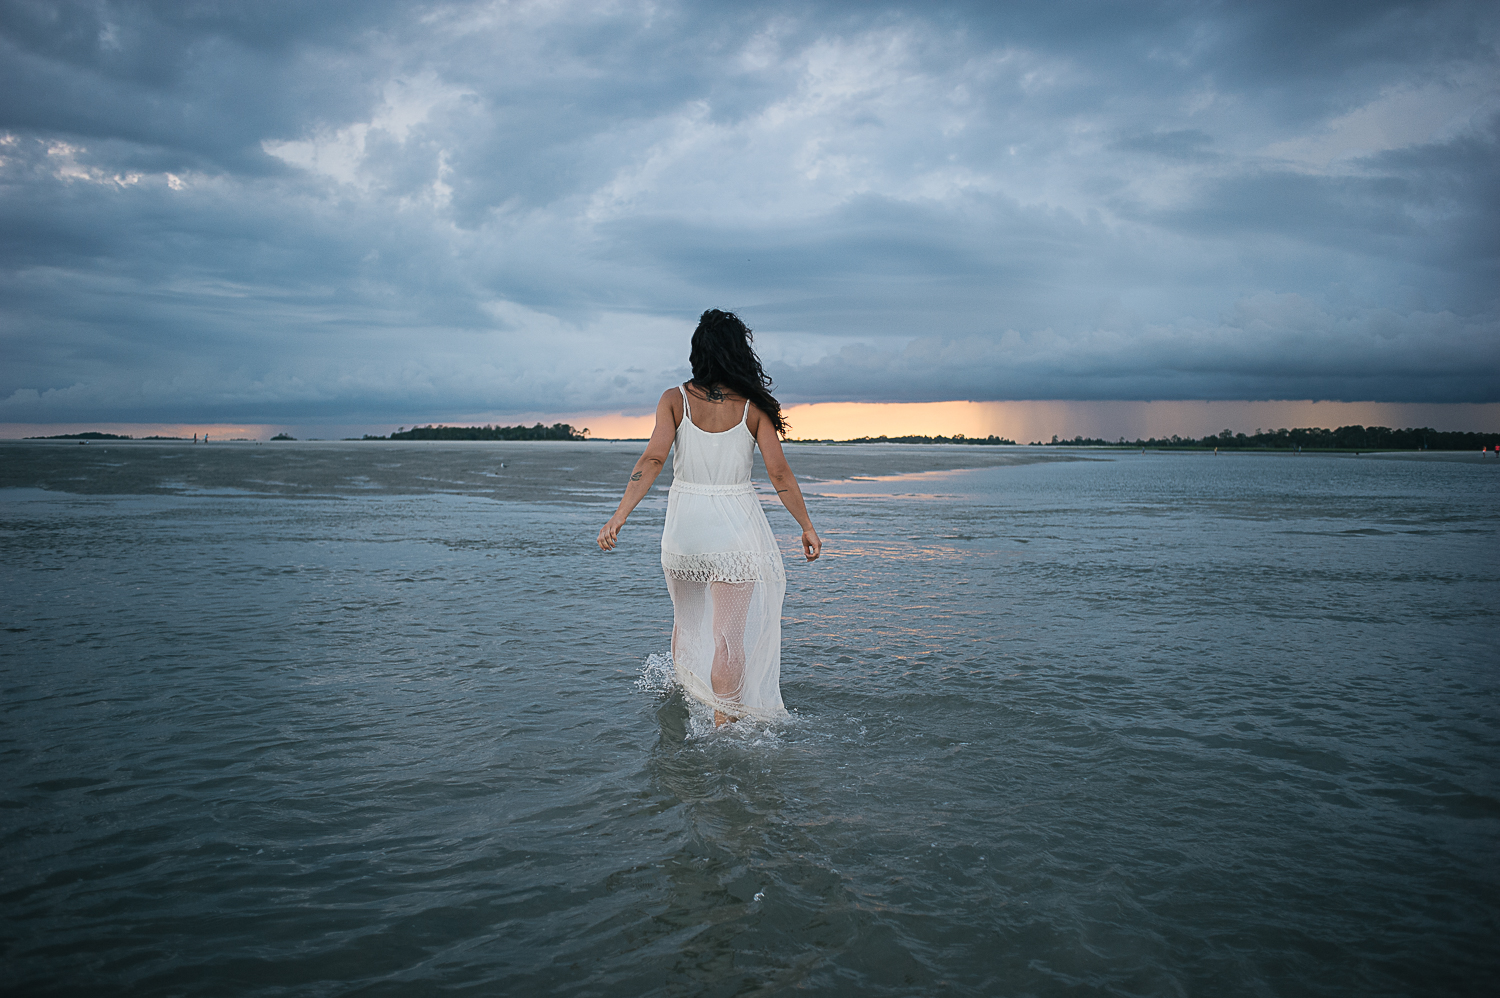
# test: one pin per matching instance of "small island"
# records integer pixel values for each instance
(88, 435)
(957, 438)
(557, 431)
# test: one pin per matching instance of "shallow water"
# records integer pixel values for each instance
(375, 719)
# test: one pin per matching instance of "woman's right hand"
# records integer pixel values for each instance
(610, 532)
(811, 545)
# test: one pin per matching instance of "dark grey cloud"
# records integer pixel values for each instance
(1270, 346)
(388, 212)
(1182, 143)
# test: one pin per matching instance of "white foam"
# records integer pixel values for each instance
(657, 675)
(658, 678)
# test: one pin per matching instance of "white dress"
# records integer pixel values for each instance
(724, 572)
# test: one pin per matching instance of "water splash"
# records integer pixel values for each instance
(746, 733)
(658, 678)
(657, 675)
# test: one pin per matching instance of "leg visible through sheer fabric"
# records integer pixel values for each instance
(709, 640)
(689, 605)
(731, 606)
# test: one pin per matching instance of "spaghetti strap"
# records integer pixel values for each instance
(745, 416)
(686, 408)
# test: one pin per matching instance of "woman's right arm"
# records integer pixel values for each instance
(643, 475)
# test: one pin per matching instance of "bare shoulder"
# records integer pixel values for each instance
(756, 421)
(672, 399)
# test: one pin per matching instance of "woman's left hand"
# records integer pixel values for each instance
(610, 532)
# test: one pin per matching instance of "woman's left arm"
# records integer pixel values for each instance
(787, 488)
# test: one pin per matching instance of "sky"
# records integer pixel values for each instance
(364, 214)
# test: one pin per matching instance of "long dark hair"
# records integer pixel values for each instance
(723, 358)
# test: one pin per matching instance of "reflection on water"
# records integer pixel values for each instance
(1144, 724)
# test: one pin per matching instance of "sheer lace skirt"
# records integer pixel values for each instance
(727, 583)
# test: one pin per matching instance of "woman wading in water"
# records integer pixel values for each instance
(722, 565)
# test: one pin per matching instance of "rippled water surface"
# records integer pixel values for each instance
(377, 719)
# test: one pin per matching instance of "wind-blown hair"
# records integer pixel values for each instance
(722, 357)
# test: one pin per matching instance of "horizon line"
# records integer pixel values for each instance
(1019, 420)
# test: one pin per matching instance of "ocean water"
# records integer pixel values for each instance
(378, 719)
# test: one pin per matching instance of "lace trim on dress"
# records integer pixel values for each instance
(724, 566)
(697, 489)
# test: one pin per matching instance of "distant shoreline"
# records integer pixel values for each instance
(1032, 447)
(1345, 439)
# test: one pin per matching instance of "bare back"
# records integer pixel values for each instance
(715, 416)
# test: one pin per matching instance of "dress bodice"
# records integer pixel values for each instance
(712, 460)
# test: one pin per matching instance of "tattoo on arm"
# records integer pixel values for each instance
(635, 477)
(783, 490)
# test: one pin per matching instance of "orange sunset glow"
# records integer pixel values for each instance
(215, 431)
(1025, 421)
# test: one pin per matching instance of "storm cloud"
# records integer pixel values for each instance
(377, 212)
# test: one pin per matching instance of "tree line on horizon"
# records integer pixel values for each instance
(557, 431)
(957, 438)
(96, 435)
(1353, 437)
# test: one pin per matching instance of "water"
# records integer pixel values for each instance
(377, 719)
